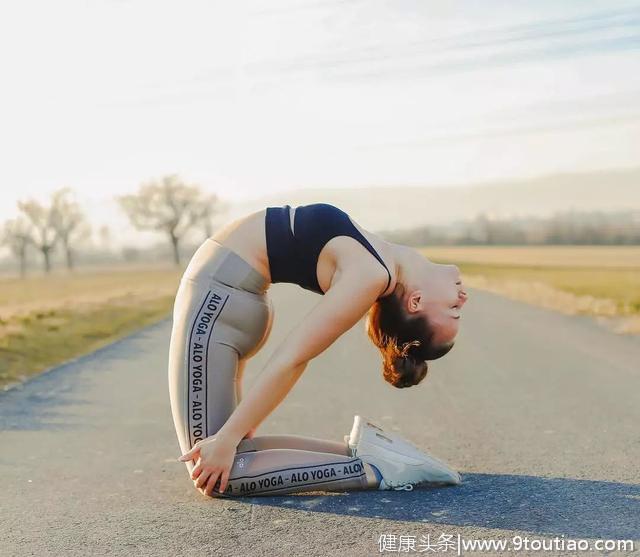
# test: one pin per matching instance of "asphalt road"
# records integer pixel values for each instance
(539, 411)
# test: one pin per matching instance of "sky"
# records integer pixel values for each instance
(250, 98)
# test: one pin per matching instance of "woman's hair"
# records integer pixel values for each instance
(405, 341)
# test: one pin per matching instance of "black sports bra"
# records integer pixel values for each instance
(293, 255)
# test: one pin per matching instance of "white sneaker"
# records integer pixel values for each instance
(401, 463)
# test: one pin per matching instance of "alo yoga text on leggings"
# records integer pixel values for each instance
(199, 338)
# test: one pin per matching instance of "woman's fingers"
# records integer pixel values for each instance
(202, 478)
(190, 454)
(224, 480)
(196, 471)
(212, 482)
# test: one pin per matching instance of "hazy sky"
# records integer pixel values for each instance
(247, 98)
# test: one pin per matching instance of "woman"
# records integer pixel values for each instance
(222, 316)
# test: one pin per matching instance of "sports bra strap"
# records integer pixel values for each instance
(372, 250)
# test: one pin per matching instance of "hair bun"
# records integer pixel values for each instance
(406, 371)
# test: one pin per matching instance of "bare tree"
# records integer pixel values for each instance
(168, 206)
(43, 235)
(68, 221)
(16, 235)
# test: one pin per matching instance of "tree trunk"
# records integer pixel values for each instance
(69, 256)
(176, 252)
(23, 262)
(47, 261)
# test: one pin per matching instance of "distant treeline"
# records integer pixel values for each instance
(570, 227)
(57, 229)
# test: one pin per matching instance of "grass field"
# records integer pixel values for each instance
(46, 320)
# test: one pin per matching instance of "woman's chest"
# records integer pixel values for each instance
(337, 252)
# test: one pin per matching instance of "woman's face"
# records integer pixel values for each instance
(440, 297)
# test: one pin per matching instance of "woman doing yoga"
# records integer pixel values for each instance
(222, 316)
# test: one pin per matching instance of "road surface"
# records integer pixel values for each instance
(539, 411)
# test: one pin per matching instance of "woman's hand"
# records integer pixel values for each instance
(214, 461)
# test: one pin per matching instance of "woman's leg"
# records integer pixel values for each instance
(201, 370)
(281, 471)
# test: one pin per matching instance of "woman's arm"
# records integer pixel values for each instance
(239, 376)
(271, 387)
(341, 307)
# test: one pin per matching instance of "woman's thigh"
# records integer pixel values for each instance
(214, 325)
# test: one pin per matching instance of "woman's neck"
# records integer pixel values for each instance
(406, 261)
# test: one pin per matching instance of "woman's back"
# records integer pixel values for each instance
(246, 236)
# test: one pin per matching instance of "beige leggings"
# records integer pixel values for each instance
(221, 315)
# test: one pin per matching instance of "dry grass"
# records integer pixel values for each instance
(45, 320)
(83, 288)
(620, 257)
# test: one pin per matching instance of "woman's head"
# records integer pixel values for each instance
(419, 320)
